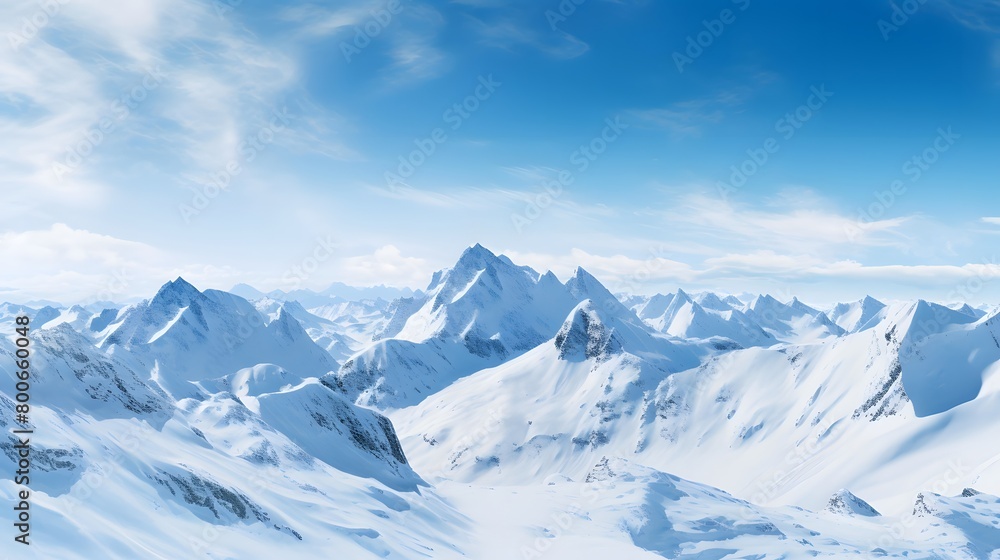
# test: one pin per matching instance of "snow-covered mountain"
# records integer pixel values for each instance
(860, 315)
(703, 317)
(183, 335)
(791, 322)
(482, 312)
(812, 406)
(336, 293)
(521, 417)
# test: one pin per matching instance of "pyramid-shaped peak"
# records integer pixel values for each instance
(472, 261)
(583, 285)
(549, 276)
(477, 253)
(176, 291)
(764, 301)
(581, 275)
(477, 258)
(709, 297)
(846, 503)
(585, 335)
(870, 301)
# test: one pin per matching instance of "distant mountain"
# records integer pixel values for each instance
(183, 335)
(337, 292)
(791, 322)
(481, 312)
(858, 316)
(846, 503)
(503, 413)
(707, 318)
(238, 458)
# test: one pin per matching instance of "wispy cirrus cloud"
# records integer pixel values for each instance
(110, 85)
(405, 32)
(509, 34)
(783, 227)
(981, 15)
(691, 117)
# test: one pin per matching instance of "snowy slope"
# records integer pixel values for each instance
(865, 411)
(527, 418)
(329, 335)
(483, 311)
(183, 335)
(122, 470)
(859, 315)
(791, 322)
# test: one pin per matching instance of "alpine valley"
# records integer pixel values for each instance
(505, 413)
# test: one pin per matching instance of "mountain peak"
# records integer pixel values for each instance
(583, 285)
(869, 300)
(477, 257)
(178, 291)
(581, 275)
(584, 336)
(764, 301)
(479, 252)
(846, 503)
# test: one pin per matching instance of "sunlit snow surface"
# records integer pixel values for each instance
(505, 414)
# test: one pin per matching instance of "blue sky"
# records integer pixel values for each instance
(369, 142)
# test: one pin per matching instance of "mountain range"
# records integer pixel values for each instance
(505, 413)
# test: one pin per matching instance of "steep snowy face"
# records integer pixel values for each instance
(945, 355)
(846, 503)
(684, 317)
(584, 336)
(712, 301)
(791, 322)
(583, 286)
(588, 392)
(478, 314)
(350, 439)
(650, 308)
(858, 316)
(338, 339)
(73, 376)
(491, 305)
(183, 335)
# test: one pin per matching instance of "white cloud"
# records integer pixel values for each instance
(212, 85)
(981, 15)
(409, 34)
(74, 265)
(510, 33)
(386, 265)
(792, 230)
(763, 261)
(690, 117)
(618, 272)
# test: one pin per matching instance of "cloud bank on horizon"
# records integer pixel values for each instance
(824, 151)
